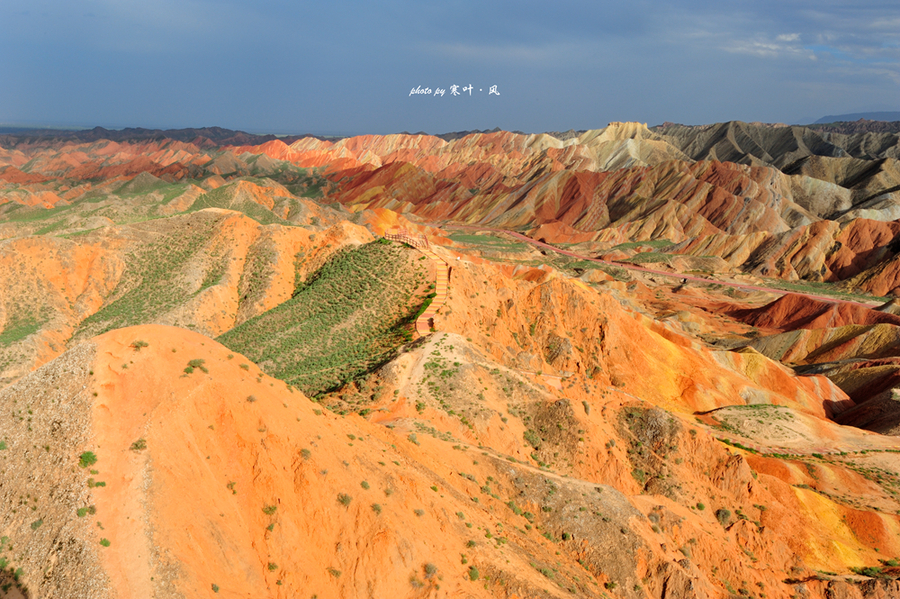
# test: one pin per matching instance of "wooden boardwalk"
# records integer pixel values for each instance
(425, 323)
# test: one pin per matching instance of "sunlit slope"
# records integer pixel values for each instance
(342, 321)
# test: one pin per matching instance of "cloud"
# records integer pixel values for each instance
(782, 46)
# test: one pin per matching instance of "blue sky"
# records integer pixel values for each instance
(347, 67)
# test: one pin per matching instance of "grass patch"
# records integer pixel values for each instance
(19, 330)
(345, 320)
(158, 278)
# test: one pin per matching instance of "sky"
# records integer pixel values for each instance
(347, 67)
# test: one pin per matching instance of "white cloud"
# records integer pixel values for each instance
(782, 46)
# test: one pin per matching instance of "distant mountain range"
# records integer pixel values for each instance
(866, 116)
(217, 135)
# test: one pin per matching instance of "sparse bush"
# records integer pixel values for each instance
(137, 345)
(138, 445)
(196, 363)
(88, 458)
(723, 516)
(272, 566)
(344, 499)
(269, 509)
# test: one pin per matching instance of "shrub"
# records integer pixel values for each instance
(376, 508)
(364, 484)
(104, 542)
(344, 499)
(723, 516)
(272, 566)
(196, 363)
(215, 588)
(138, 445)
(473, 573)
(700, 506)
(269, 509)
(532, 438)
(88, 458)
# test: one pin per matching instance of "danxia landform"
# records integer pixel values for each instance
(631, 362)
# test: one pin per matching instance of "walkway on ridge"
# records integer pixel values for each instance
(441, 283)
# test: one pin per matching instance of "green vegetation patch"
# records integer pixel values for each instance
(158, 277)
(836, 290)
(490, 242)
(227, 197)
(345, 320)
(18, 330)
(649, 258)
(631, 245)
